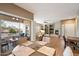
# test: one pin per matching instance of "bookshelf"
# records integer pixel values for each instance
(49, 29)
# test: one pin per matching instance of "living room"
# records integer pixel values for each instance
(28, 30)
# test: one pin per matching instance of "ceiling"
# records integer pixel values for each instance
(51, 12)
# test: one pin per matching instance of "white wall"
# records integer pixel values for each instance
(35, 27)
(70, 29)
(57, 26)
(32, 31)
(77, 29)
(38, 27)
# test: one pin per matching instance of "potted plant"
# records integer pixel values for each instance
(12, 30)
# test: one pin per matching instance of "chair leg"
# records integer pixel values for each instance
(64, 46)
(8, 46)
(74, 48)
(1, 49)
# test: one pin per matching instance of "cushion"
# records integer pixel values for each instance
(68, 51)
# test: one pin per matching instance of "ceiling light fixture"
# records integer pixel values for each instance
(17, 19)
(13, 18)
